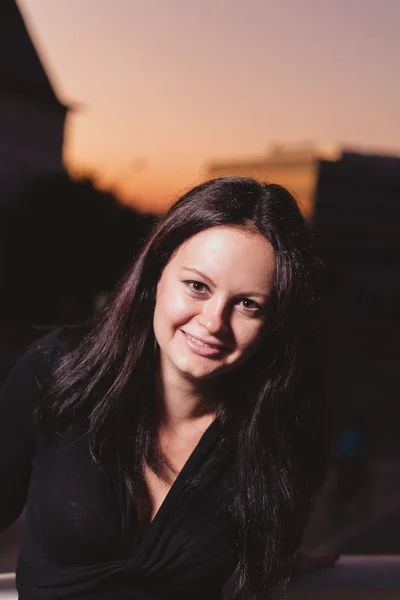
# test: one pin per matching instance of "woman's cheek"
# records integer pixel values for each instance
(248, 332)
(180, 308)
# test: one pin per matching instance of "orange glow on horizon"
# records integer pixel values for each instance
(153, 191)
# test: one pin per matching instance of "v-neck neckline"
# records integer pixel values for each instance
(202, 445)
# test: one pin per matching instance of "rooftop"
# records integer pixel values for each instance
(20, 65)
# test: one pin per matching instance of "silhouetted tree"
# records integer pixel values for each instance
(63, 241)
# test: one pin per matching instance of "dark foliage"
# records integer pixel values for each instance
(62, 242)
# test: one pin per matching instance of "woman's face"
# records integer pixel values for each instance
(211, 302)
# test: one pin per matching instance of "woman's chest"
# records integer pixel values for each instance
(176, 454)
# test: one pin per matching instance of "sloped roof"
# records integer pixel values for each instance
(20, 65)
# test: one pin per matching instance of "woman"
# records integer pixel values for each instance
(181, 439)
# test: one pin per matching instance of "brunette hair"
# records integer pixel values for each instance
(277, 423)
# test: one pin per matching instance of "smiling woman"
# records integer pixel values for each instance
(180, 439)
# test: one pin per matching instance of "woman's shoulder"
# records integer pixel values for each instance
(39, 358)
(59, 340)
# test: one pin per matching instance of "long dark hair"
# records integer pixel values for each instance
(276, 424)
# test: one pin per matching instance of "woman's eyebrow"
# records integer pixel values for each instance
(211, 282)
(198, 272)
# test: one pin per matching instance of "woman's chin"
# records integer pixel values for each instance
(197, 372)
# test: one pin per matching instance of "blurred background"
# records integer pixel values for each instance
(110, 110)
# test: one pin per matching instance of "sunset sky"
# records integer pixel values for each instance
(160, 87)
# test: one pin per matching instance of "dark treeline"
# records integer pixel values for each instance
(63, 244)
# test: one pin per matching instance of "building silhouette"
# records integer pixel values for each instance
(357, 232)
(32, 117)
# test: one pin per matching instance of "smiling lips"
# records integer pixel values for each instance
(203, 348)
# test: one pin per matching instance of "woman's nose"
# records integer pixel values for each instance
(215, 319)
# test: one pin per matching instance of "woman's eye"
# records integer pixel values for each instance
(196, 287)
(251, 306)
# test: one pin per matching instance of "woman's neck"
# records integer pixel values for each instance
(182, 401)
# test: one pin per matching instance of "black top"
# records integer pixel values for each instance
(78, 542)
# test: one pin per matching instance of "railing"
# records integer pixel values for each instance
(7, 588)
(352, 578)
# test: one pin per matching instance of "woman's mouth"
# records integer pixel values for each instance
(203, 348)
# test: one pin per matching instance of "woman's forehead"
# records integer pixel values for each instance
(227, 240)
(228, 252)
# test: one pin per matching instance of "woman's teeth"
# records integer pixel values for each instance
(199, 343)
